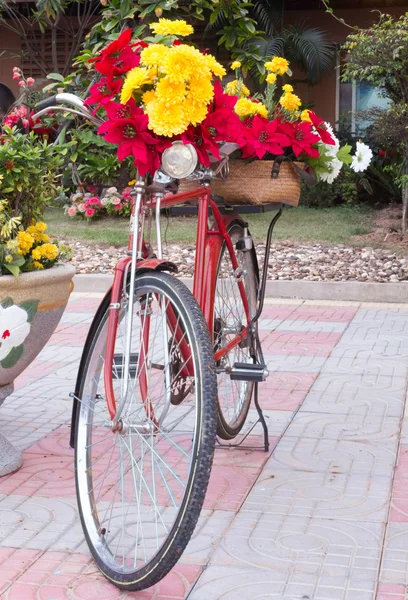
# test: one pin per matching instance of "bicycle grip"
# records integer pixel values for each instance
(47, 103)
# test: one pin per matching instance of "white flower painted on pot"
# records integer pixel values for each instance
(14, 328)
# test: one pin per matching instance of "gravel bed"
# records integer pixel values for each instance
(313, 262)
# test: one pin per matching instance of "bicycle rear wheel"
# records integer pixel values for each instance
(234, 397)
(140, 489)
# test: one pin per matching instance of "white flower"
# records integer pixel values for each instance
(105, 201)
(81, 207)
(332, 149)
(115, 200)
(111, 190)
(333, 170)
(14, 328)
(362, 157)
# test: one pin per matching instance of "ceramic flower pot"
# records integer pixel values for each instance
(31, 307)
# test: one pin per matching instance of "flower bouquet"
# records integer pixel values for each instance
(160, 91)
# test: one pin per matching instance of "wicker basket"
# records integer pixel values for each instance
(251, 183)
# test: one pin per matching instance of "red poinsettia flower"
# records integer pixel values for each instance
(223, 125)
(116, 110)
(222, 100)
(302, 139)
(118, 57)
(321, 129)
(262, 137)
(102, 92)
(203, 142)
(133, 139)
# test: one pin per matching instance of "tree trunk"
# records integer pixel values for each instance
(405, 197)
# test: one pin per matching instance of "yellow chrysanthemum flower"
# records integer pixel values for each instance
(304, 115)
(278, 65)
(36, 232)
(40, 226)
(25, 242)
(48, 251)
(149, 96)
(135, 79)
(154, 55)
(246, 108)
(36, 253)
(287, 87)
(237, 88)
(290, 101)
(214, 66)
(167, 27)
(37, 265)
(235, 65)
(262, 110)
(201, 90)
(195, 112)
(183, 62)
(166, 119)
(170, 91)
(271, 78)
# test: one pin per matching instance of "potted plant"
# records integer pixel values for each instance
(34, 287)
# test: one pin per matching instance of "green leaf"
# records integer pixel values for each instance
(55, 76)
(12, 357)
(14, 269)
(31, 307)
(7, 302)
(344, 154)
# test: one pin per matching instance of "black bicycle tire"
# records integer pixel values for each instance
(224, 430)
(183, 528)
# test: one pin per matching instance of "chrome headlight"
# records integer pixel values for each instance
(180, 160)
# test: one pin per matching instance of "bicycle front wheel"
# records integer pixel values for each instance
(141, 488)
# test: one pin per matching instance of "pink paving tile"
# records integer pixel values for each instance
(229, 486)
(13, 564)
(299, 343)
(243, 456)
(399, 495)
(75, 335)
(60, 576)
(336, 314)
(48, 470)
(285, 391)
(37, 370)
(390, 592)
(83, 305)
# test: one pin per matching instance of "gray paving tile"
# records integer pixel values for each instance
(311, 326)
(358, 394)
(291, 363)
(340, 496)
(348, 427)
(335, 456)
(377, 366)
(395, 561)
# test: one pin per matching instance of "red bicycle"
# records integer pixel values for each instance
(162, 373)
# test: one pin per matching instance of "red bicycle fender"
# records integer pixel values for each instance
(156, 264)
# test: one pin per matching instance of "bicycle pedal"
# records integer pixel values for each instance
(249, 372)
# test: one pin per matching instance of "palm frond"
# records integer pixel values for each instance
(308, 49)
(220, 22)
(268, 15)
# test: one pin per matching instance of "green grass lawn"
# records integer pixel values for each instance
(331, 225)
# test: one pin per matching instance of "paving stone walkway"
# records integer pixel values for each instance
(322, 516)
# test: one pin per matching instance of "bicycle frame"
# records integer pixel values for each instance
(209, 243)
